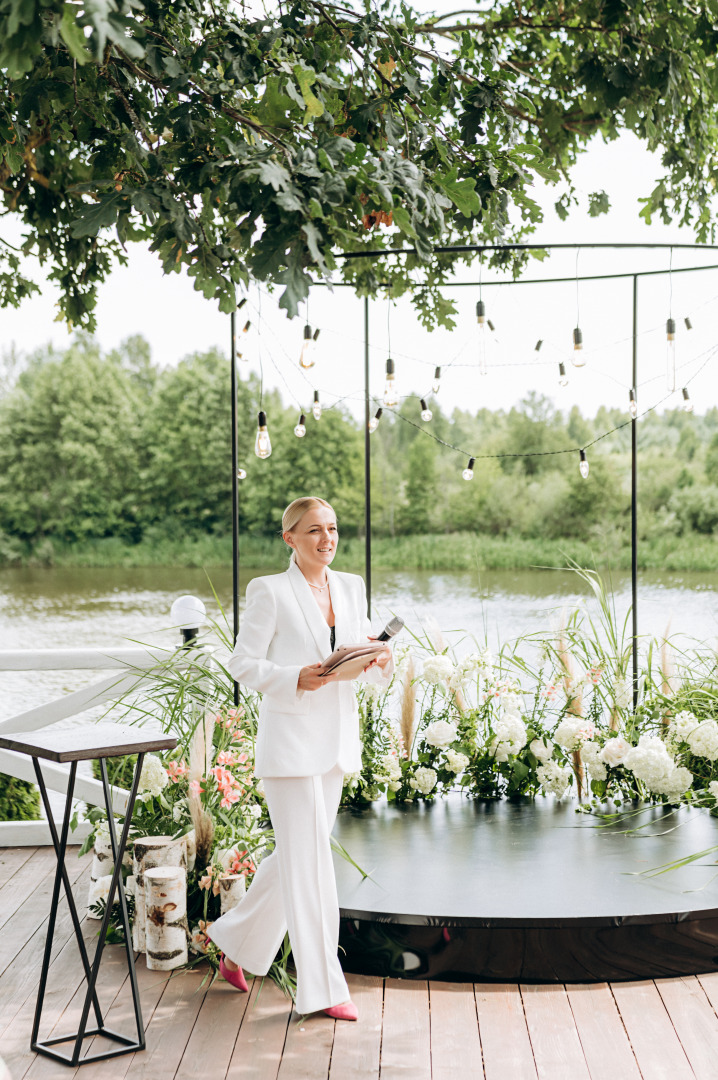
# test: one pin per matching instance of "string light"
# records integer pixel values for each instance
(316, 407)
(307, 356)
(426, 412)
(481, 320)
(241, 474)
(687, 403)
(301, 429)
(578, 359)
(437, 381)
(262, 444)
(671, 354)
(538, 347)
(241, 303)
(583, 464)
(562, 376)
(391, 397)
(632, 403)
(689, 324)
(374, 422)
(468, 473)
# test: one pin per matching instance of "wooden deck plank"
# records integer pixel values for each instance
(603, 1037)
(65, 977)
(11, 859)
(505, 1043)
(307, 1049)
(169, 1030)
(258, 1049)
(658, 1051)
(29, 877)
(455, 1042)
(709, 983)
(357, 1047)
(215, 1032)
(555, 1043)
(406, 1046)
(21, 975)
(120, 1017)
(695, 1023)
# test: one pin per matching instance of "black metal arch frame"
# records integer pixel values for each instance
(478, 249)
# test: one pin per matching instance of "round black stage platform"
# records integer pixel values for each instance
(524, 890)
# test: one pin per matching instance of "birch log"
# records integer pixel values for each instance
(166, 925)
(102, 866)
(151, 852)
(232, 888)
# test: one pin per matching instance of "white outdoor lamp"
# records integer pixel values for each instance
(188, 613)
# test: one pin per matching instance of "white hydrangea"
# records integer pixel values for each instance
(153, 777)
(540, 750)
(424, 780)
(572, 731)
(615, 750)
(440, 733)
(622, 692)
(455, 761)
(254, 810)
(591, 759)
(372, 691)
(437, 669)
(681, 726)
(394, 785)
(469, 667)
(703, 740)
(651, 763)
(389, 767)
(713, 789)
(509, 736)
(554, 778)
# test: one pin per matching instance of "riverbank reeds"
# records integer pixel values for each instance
(446, 551)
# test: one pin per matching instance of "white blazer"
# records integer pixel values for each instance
(301, 733)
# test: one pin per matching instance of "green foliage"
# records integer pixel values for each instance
(243, 148)
(19, 800)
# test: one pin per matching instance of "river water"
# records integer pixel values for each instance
(46, 608)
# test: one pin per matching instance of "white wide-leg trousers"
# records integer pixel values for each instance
(294, 889)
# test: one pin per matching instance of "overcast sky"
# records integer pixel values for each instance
(176, 320)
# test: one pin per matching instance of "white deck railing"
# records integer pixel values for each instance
(126, 663)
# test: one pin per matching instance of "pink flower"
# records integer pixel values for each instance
(550, 692)
(230, 797)
(594, 675)
(176, 770)
(227, 757)
(205, 882)
(194, 787)
(242, 865)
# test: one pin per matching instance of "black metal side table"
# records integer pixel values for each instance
(95, 742)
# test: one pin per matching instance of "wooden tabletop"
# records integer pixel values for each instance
(85, 743)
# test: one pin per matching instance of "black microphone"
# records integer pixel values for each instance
(391, 629)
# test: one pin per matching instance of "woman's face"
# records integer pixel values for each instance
(314, 537)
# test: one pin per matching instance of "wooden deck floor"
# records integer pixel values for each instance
(407, 1031)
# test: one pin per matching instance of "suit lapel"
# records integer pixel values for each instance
(310, 609)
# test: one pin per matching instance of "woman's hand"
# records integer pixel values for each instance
(310, 680)
(383, 659)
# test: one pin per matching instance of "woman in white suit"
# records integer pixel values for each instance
(308, 738)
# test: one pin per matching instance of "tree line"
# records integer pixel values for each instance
(97, 444)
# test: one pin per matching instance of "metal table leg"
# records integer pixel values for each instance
(91, 973)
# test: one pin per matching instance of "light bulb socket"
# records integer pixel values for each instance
(315, 337)
(307, 332)
(631, 394)
(480, 311)
(437, 373)
(490, 325)
(686, 395)
(390, 366)
(246, 326)
(670, 329)
(302, 420)
(539, 345)
(472, 462)
(562, 369)
(577, 338)
(262, 420)
(424, 407)
(241, 303)
(378, 413)
(316, 397)
(689, 324)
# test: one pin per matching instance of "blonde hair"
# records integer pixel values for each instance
(297, 509)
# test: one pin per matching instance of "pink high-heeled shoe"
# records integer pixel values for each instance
(347, 1011)
(235, 978)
